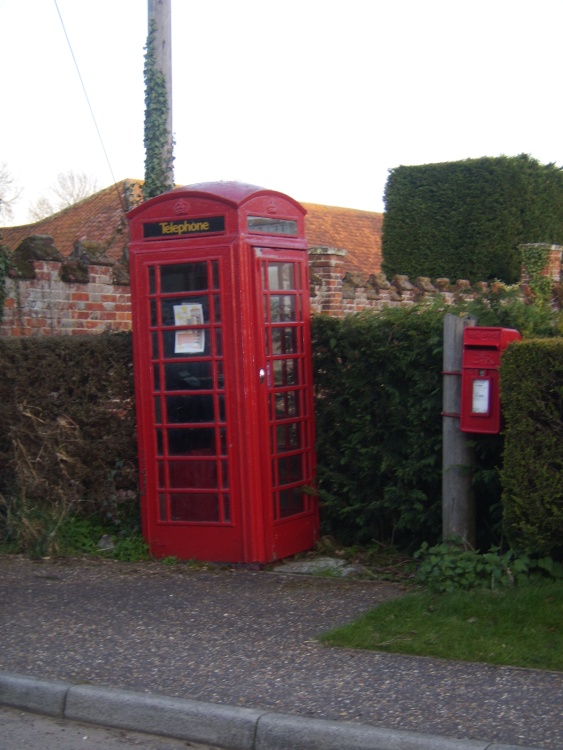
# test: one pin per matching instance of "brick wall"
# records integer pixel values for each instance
(336, 292)
(46, 305)
(48, 297)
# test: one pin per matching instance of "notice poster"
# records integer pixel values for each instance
(481, 397)
(191, 341)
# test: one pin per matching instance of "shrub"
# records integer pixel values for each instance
(532, 472)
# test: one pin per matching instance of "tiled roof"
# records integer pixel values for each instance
(358, 232)
(98, 218)
(101, 218)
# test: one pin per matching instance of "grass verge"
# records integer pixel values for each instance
(519, 627)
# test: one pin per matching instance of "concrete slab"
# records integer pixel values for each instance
(320, 566)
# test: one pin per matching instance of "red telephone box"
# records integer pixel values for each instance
(223, 375)
(480, 395)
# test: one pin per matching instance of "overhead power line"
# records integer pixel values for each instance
(121, 200)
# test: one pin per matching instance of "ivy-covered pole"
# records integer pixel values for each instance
(159, 142)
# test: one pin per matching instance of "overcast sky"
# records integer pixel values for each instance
(315, 98)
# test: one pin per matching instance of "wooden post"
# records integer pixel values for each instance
(458, 507)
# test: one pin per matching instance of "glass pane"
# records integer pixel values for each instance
(187, 343)
(223, 442)
(157, 410)
(281, 276)
(221, 400)
(191, 441)
(154, 339)
(152, 280)
(224, 474)
(220, 376)
(288, 437)
(285, 372)
(156, 377)
(291, 502)
(189, 409)
(159, 443)
(185, 312)
(282, 308)
(226, 508)
(218, 342)
(194, 507)
(290, 469)
(188, 376)
(217, 308)
(215, 273)
(161, 474)
(196, 474)
(162, 506)
(284, 341)
(153, 312)
(187, 277)
(287, 405)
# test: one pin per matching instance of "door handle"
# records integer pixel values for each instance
(262, 374)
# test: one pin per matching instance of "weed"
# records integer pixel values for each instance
(131, 549)
(448, 566)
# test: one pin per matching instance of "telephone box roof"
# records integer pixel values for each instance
(235, 193)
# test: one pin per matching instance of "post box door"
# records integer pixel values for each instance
(184, 342)
(287, 423)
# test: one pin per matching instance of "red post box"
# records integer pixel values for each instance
(223, 373)
(480, 396)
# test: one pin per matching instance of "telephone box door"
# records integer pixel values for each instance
(282, 280)
(188, 450)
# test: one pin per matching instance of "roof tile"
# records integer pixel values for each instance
(101, 218)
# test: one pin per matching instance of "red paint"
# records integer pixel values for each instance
(220, 294)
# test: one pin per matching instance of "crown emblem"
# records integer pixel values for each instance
(181, 207)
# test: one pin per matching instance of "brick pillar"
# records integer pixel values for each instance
(552, 267)
(326, 265)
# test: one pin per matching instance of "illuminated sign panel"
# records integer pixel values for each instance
(171, 230)
(272, 225)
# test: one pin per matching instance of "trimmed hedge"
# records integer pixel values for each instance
(466, 219)
(66, 406)
(378, 416)
(532, 472)
(67, 410)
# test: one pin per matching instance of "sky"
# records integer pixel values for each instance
(316, 99)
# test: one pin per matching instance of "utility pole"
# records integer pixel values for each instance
(458, 506)
(160, 24)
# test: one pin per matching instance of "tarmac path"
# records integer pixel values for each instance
(247, 638)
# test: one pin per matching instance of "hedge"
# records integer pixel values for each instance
(532, 471)
(67, 410)
(466, 219)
